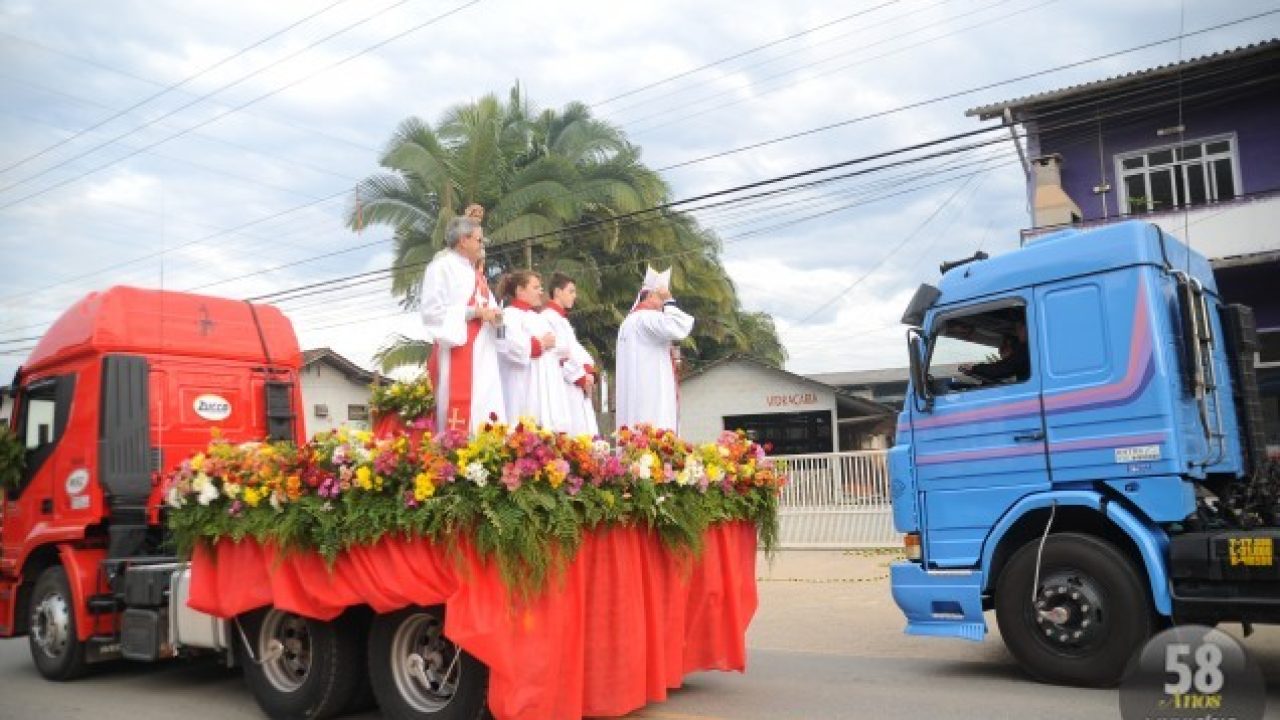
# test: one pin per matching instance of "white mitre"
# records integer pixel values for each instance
(652, 281)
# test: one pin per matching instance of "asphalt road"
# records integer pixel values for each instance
(826, 644)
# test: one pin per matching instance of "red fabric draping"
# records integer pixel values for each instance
(620, 628)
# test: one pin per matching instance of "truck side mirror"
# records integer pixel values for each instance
(922, 393)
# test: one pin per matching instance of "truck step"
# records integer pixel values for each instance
(963, 630)
(104, 604)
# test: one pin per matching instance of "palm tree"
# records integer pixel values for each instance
(575, 184)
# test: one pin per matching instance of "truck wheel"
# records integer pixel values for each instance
(55, 647)
(300, 668)
(418, 674)
(1090, 614)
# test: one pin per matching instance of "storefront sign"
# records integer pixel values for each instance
(792, 399)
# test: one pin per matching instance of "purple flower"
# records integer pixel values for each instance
(331, 487)
(236, 508)
(573, 484)
(409, 500)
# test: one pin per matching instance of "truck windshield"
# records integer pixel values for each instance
(980, 349)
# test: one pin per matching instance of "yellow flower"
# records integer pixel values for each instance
(252, 497)
(423, 487)
(364, 478)
(197, 462)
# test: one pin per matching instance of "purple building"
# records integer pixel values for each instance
(1194, 147)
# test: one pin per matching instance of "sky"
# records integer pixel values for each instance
(213, 146)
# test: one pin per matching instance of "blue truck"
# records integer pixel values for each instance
(1081, 451)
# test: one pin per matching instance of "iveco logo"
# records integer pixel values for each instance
(212, 407)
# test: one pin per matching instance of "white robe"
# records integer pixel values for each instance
(582, 416)
(532, 387)
(646, 378)
(449, 290)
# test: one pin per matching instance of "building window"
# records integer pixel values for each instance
(358, 413)
(797, 433)
(322, 411)
(1174, 176)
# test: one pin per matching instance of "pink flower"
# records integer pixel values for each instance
(510, 478)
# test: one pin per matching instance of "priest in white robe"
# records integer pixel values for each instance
(647, 390)
(577, 365)
(460, 315)
(530, 353)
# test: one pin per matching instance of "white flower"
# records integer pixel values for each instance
(175, 497)
(601, 447)
(208, 493)
(477, 474)
(231, 490)
(645, 473)
(275, 501)
(646, 460)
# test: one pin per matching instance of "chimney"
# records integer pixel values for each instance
(1050, 205)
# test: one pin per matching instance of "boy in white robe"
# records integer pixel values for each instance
(647, 389)
(460, 314)
(532, 383)
(579, 369)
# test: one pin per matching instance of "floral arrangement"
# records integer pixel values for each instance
(409, 400)
(12, 458)
(522, 495)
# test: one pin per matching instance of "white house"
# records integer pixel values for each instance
(795, 415)
(335, 391)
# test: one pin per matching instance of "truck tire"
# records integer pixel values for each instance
(1091, 614)
(300, 668)
(55, 648)
(418, 674)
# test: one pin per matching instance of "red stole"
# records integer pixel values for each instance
(457, 415)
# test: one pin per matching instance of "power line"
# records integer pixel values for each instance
(706, 98)
(174, 86)
(236, 108)
(203, 136)
(744, 53)
(902, 243)
(815, 130)
(962, 93)
(148, 81)
(915, 10)
(1045, 129)
(199, 99)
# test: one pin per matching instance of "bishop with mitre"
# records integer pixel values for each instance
(647, 390)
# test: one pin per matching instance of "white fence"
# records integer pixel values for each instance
(836, 500)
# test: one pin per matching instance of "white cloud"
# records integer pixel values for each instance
(192, 194)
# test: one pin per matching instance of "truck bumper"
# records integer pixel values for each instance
(946, 603)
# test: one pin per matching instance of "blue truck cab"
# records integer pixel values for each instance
(1079, 452)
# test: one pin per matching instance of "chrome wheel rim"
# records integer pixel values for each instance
(51, 625)
(426, 666)
(285, 643)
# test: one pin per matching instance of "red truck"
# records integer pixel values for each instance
(122, 387)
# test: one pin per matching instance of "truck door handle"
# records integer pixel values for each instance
(1029, 437)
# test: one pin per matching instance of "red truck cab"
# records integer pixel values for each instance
(121, 388)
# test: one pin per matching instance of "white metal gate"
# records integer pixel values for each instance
(836, 500)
